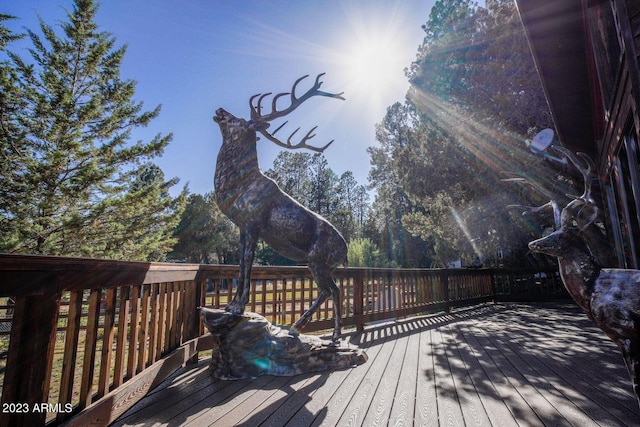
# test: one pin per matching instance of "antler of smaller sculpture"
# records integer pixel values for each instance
(582, 209)
(552, 204)
(258, 117)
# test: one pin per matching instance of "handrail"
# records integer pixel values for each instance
(88, 331)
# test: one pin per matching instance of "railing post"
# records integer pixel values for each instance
(28, 371)
(444, 290)
(358, 300)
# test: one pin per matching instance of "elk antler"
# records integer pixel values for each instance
(258, 117)
(586, 172)
(517, 178)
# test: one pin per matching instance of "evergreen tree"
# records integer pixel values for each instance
(77, 187)
(204, 234)
(10, 133)
(438, 170)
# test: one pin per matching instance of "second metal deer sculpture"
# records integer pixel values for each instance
(261, 209)
(609, 296)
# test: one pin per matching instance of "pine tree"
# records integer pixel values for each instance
(204, 234)
(77, 187)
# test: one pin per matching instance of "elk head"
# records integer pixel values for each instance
(576, 218)
(234, 128)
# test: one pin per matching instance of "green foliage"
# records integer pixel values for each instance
(480, 57)
(438, 168)
(363, 252)
(75, 185)
(204, 234)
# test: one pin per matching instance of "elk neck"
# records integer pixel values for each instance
(237, 164)
(579, 271)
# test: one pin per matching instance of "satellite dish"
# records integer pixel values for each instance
(542, 141)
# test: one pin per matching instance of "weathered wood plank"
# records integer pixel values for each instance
(32, 336)
(449, 411)
(107, 342)
(341, 398)
(121, 340)
(356, 411)
(559, 363)
(259, 397)
(403, 408)
(473, 411)
(515, 364)
(297, 396)
(154, 326)
(534, 395)
(70, 349)
(143, 333)
(316, 407)
(134, 299)
(426, 412)
(88, 364)
(164, 400)
(381, 404)
(483, 380)
(111, 406)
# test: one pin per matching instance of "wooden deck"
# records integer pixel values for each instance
(490, 365)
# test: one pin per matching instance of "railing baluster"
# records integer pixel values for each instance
(144, 327)
(162, 321)
(88, 365)
(121, 340)
(133, 333)
(153, 322)
(70, 349)
(107, 342)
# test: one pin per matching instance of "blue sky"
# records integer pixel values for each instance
(195, 56)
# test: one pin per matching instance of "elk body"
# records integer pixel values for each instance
(260, 209)
(609, 296)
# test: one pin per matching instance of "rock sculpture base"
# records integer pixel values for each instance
(248, 345)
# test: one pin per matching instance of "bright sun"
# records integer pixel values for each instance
(374, 64)
(373, 55)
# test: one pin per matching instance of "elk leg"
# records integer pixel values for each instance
(304, 319)
(631, 352)
(248, 241)
(322, 276)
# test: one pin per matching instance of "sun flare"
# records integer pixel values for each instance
(374, 51)
(375, 63)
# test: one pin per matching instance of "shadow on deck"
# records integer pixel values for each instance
(489, 365)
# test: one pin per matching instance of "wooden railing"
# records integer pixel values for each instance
(82, 340)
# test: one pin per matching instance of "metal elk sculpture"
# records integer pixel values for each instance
(261, 209)
(609, 296)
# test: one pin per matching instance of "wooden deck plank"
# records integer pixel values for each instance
(203, 414)
(590, 400)
(499, 381)
(517, 384)
(530, 363)
(372, 342)
(381, 404)
(315, 409)
(483, 379)
(403, 409)
(426, 411)
(295, 400)
(595, 348)
(491, 365)
(473, 411)
(447, 399)
(357, 408)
